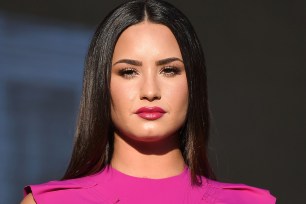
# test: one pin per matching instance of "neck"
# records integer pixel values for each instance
(159, 159)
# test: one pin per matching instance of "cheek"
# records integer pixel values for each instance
(122, 94)
(177, 95)
(182, 98)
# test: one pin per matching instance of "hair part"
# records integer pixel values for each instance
(93, 147)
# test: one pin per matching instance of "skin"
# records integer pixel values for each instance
(28, 199)
(148, 71)
(147, 148)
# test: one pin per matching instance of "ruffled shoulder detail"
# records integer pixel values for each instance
(229, 193)
(67, 191)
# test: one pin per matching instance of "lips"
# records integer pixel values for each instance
(150, 113)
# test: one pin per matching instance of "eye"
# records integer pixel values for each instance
(170, 71)
(128, 73)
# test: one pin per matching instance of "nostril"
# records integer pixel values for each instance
(152, 98)
(149, 90)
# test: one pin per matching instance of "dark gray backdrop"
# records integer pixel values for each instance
(255, 52)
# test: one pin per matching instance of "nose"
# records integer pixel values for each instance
(150, 89)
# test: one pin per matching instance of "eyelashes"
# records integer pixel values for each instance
(128, 73)
(167, 71)
(170, 71)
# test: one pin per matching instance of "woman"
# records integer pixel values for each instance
(143, 123)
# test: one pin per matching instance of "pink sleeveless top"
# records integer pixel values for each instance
(111, 186)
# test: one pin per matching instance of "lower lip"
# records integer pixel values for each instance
(150, 116)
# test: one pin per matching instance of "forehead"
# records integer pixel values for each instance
(147, 39)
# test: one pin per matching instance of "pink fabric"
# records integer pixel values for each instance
(111, 186)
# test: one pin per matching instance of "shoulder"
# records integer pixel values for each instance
(28, 199)
(80, 190)
(229, 193)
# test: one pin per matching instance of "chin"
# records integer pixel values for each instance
(152, 136)
(149, 139)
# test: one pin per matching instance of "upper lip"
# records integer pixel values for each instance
(150, 110)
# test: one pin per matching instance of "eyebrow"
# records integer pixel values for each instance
(158, 63)
(129, 61)
(168, 60)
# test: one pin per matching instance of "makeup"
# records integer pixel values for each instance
(150, 113)
(148, 86)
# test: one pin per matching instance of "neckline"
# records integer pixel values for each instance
(122, 175)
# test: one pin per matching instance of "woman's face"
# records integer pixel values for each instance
(148, 86)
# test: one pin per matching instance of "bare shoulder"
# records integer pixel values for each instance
(28, 199)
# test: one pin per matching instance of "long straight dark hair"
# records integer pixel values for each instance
(93, 146)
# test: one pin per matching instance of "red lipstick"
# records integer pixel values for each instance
(150, 113)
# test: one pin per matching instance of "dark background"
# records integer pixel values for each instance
(255, 53)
